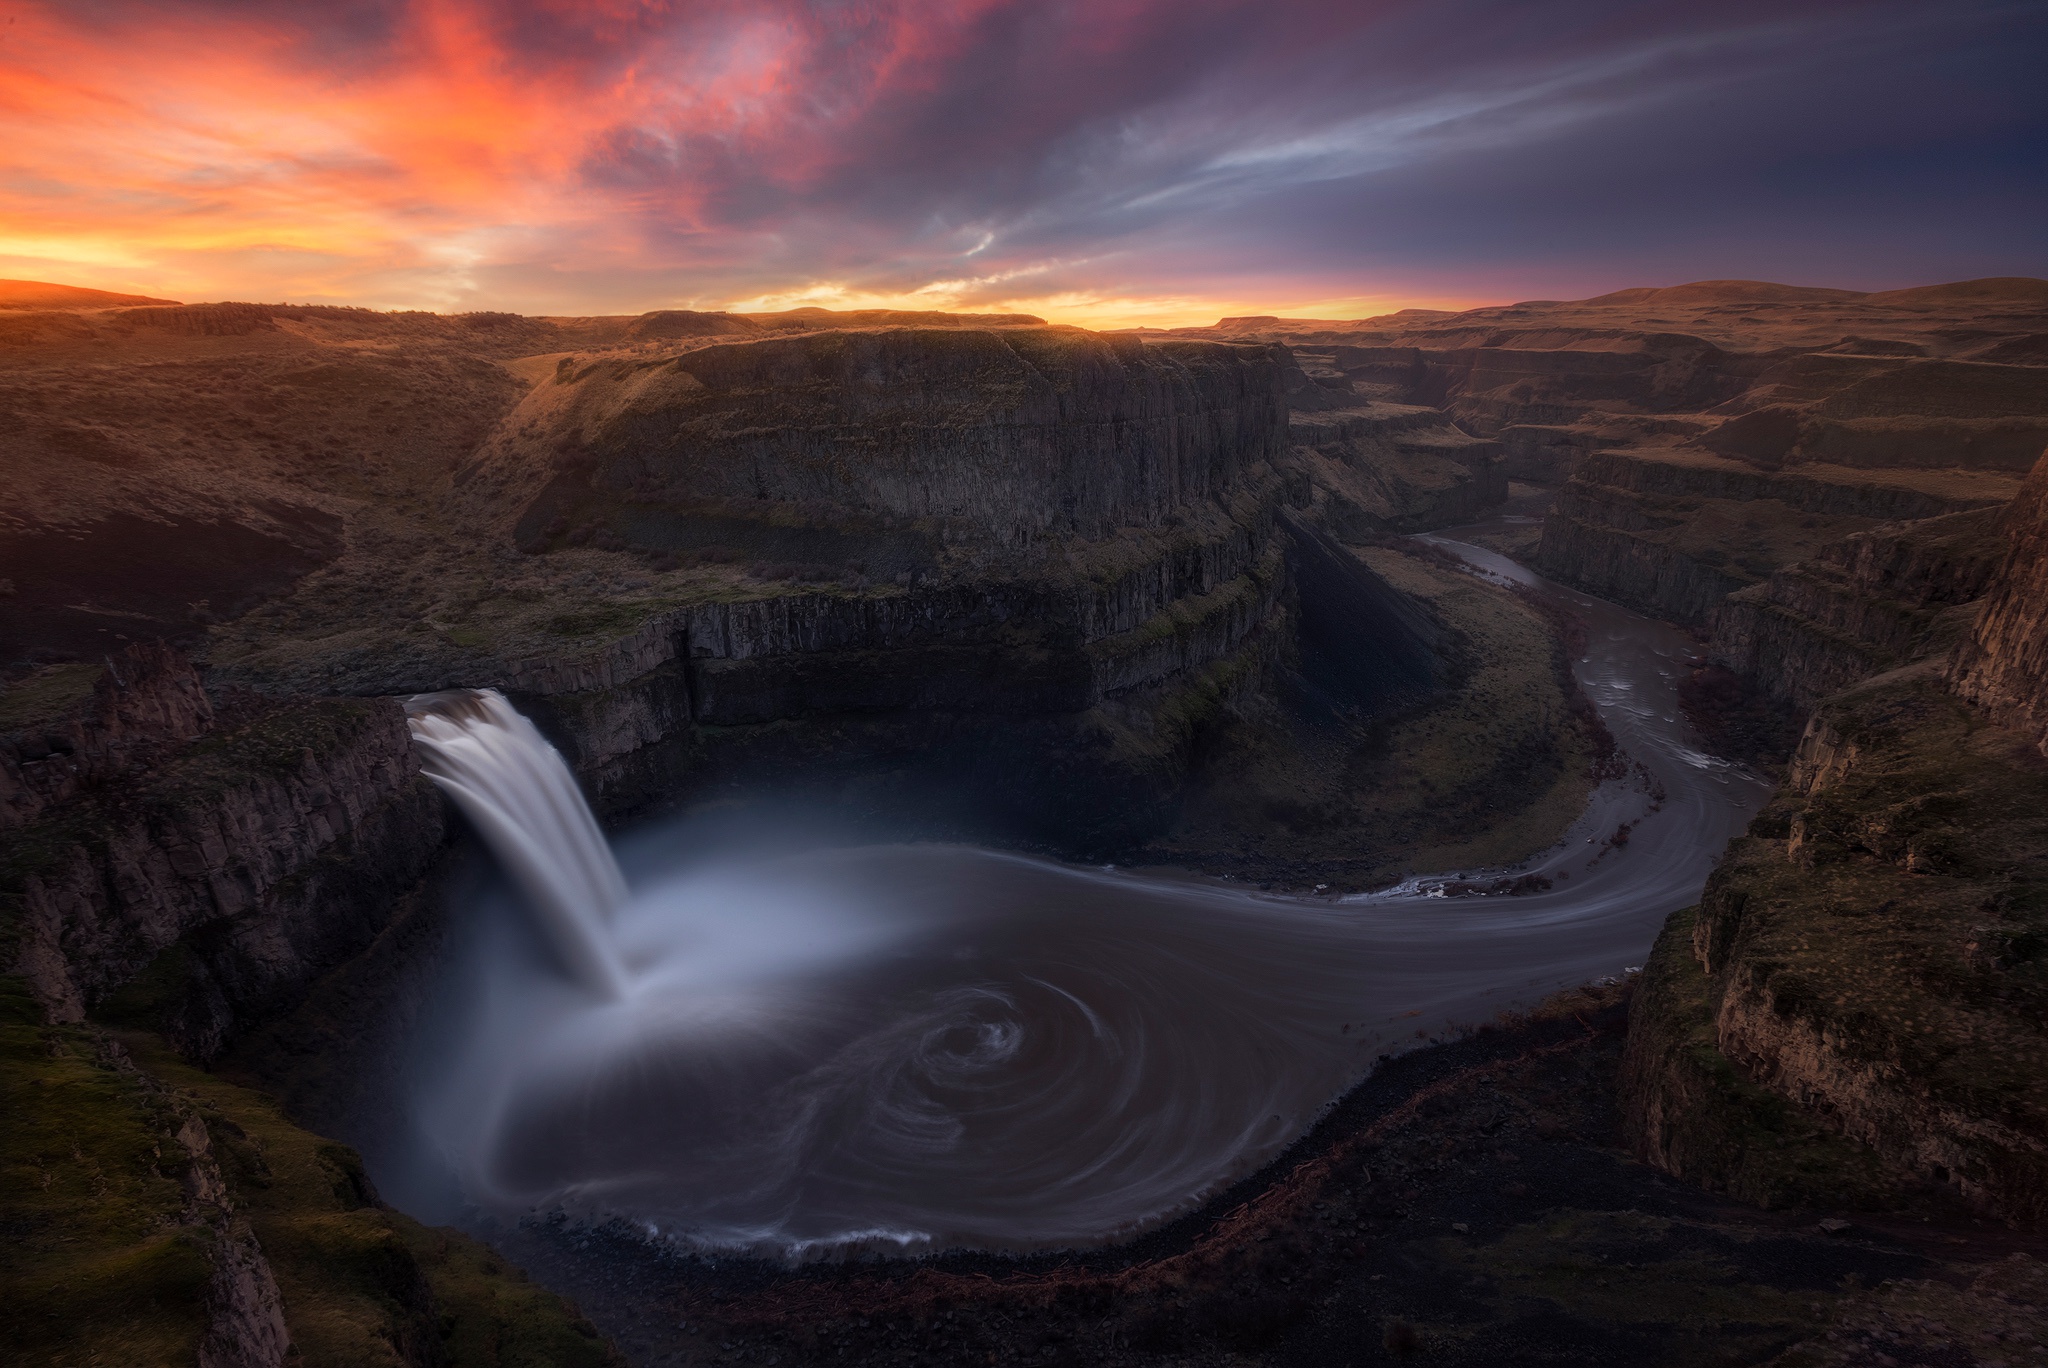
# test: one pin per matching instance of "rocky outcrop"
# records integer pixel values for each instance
(1045, 545)
(1865, 972)
(1866, 604)
(1543, 454)
(1022, 434)
(168, 1216)
(225, 876)
(820, 682)
(1875, 412)
(2003, 666)
(144, 705)
(1494, 377)
(245, 1325)
(1650, 475)
(1395, 468)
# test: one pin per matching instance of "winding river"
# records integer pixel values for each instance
(811, 1052)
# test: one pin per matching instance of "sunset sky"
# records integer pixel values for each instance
(1101, 161)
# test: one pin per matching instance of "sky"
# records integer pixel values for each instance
(1104, 162)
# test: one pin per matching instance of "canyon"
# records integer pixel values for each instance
(1155, 598)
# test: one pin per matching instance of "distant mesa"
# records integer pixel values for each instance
(664, 324)
(37, 294)
(676, 324)
(812, 318)
(1725, 292)
(2018, 289)
(1249, 324)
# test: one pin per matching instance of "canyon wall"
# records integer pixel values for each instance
(214, 875)
(130, 714)
(1718, 448)
(169, 1216)
(1674, 534)
(2003, 664)
(1855, 1007)
(1380, 468)
(1051, 550)
(1857, 1004)
(1022, 433)
(1868, 603)
(1037, 564)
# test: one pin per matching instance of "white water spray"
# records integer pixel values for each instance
(829, 1051)
(524, 802)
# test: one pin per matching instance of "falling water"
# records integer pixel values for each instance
(918, 1047)
(522, 799)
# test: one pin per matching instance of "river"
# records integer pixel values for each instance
(832, 1050)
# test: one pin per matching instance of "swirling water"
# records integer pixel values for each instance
(915, 1047)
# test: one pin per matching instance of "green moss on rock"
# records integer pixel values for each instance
(1868, 963)
(106, 1259)
(1696, 1114)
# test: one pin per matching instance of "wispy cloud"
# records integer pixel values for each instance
(1164, 158)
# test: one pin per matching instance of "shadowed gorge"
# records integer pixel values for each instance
(989, 684)
(1507, 836)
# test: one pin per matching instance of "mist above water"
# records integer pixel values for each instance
(805, 1051)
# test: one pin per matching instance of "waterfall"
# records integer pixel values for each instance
(516, 790)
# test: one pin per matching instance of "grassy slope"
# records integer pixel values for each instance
(101, 1263)
(1909, 929)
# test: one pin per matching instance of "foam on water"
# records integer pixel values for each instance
(897, 1048)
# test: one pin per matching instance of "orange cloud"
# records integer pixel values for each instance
(1102, 161)
(207, 153)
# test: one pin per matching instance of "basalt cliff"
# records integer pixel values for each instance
(968, 575)
(1138, 595)
(1855, 1009)
(1831, 490)
(1738, 456)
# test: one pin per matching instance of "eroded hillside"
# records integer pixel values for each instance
(1716, 449)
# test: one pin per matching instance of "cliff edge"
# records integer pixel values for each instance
(1856, 1008)
(2003, 665)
